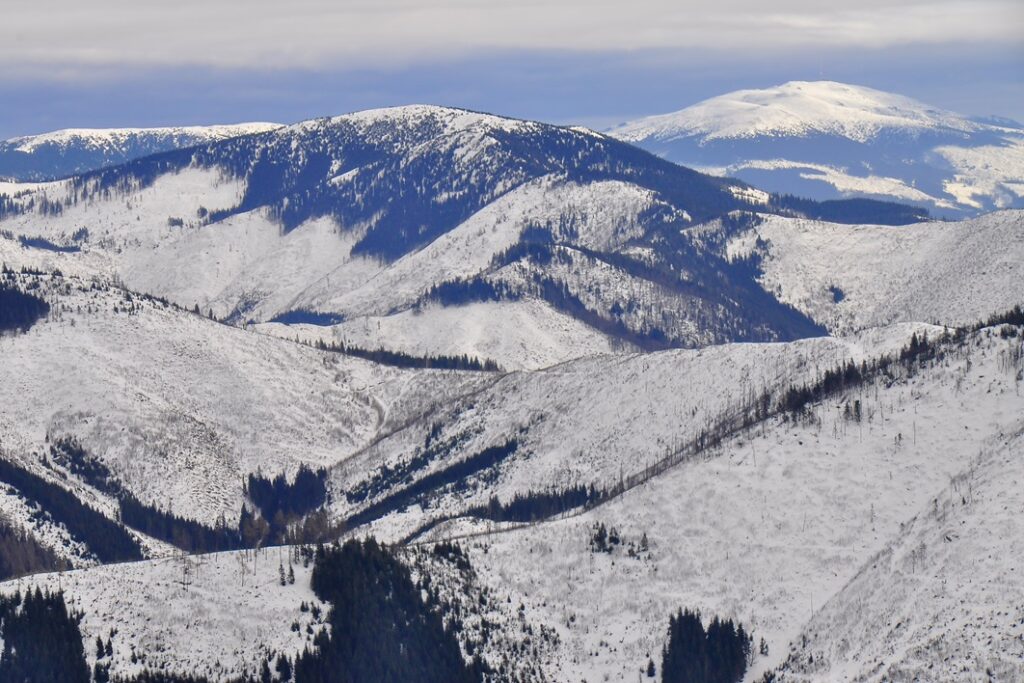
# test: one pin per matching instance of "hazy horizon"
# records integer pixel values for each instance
(126, 65)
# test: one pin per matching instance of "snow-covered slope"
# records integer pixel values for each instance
(945, 599)
(594, 421)
(849, 278)
(774, 523)
(71, 151)
(568, 257)
(180, 408)
(520, 335)
(244, 268)
(218, 615)
(774, 527)
(827, 140)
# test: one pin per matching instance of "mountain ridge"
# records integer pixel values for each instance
(315, 216)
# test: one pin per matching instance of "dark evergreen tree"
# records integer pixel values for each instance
(283, 668)
(599, 539)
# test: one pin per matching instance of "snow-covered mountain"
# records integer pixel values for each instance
(828, 140)
(432, 231)
(822, 482)
(180, 408)
(68, 152)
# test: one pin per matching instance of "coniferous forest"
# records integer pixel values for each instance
(41, 640)
(380, 627)
(305, 493)
(19, 310)
(107, 539)
(692, 654)
(21, 554)
(182, 533)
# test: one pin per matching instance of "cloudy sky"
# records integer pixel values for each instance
(147, 62)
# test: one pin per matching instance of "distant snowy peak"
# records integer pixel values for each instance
(826, 140)
(79, 150)
(118, 138)
(797, 109)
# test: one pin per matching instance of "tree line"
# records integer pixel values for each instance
(400, 359)
(289, 512)
(454, 475)
(388, 477)
(277, 496)
(21, 554)
(533, 506)
(105, 538)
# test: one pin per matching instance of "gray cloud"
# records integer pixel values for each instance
(71, 38)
